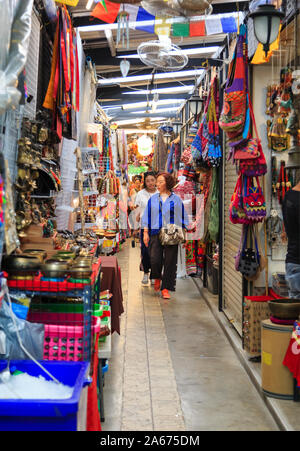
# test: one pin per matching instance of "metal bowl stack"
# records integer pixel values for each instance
(21, 265)
(285, 308)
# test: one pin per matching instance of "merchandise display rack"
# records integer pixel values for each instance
(89, 293)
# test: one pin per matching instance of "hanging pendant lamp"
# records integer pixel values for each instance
(266, 22)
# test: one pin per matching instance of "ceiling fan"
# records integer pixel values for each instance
(162, 54)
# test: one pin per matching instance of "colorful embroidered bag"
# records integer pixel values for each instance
(253, 167)
(237, 213)
(233, 114)
(254, 200)
(214, 152)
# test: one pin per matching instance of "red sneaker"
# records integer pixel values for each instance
(165, 294)
(157, 285)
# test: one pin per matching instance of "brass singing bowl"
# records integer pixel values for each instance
(77, 272)
(285, 308)
(63, 258)
(83, 262)
(40, 253)
(21, 264)
(54, 269)
(68, 254)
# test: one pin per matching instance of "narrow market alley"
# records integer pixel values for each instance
(172, 368)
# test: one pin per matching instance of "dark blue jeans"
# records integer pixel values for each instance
(292, 275)
(145, 263)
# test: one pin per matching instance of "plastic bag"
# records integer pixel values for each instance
(31, 334)
(15, 28)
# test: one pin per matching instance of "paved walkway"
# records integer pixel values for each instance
(172, 368)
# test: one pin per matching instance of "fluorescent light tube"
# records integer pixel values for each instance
(89, 4)
(160, 76)
(194, 51)
(159, 110)
(173, 90)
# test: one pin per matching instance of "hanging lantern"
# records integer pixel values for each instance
(124, 67)
(195, 104)
(145, 145)
(266, 22)
(177, 124)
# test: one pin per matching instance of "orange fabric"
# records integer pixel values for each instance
(197, 28)
(109, 15)
(49, 99)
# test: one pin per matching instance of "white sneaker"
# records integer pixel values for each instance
(145, 280)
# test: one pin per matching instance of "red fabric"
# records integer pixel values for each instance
(93, 422)
(292, 359)
(108, 16)
(197, 28)
(111, 280)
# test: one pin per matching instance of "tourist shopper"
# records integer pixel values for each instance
(141, 202)
(291, 217)
(162, 209)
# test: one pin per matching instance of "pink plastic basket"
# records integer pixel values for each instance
(67, 343)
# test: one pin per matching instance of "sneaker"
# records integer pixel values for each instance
(152, 281)
(165, 294)
(157, 285)
(145, 279)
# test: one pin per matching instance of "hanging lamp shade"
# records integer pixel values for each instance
(194, 104)
(266, 23)
(145, 145)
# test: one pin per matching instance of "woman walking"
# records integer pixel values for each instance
(141, 201)
(163, 208)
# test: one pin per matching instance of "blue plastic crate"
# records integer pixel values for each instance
(46, 414)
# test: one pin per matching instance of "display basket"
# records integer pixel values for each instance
(67, 343)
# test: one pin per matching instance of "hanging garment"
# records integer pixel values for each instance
(213, 225)
(283, 184)
(63, 94)
(195, 253)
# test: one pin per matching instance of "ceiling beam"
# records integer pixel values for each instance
(111, 43)
(105, 56)
(111, 92)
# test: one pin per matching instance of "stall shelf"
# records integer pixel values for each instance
(88, 291)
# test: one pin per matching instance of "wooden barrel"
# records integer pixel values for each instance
(276, 379)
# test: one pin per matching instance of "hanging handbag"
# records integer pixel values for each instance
(238, 255)
(252, 166)
(237, 213)
(170, 234)
(254, 200)
(249, 261)
(214, 153)
(233, 114)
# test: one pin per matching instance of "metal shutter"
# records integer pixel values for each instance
(232, 279)
(32, 66)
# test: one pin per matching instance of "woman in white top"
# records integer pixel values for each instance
(141, 202)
